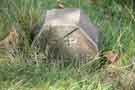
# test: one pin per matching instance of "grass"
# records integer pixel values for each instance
(23, 77)
(27, 70)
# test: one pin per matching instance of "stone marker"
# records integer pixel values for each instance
(69, 31)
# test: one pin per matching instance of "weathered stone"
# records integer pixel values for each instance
(69, 30)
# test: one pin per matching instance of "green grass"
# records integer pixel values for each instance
(44, 77)
(27, 70)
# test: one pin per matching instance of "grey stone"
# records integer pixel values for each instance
(69, 30)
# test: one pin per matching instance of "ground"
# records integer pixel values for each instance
(27, 70)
